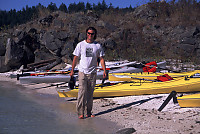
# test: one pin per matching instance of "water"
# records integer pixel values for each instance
(24, 112)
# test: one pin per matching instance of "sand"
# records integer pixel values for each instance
(137, 112)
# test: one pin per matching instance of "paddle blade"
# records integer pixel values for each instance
(72, 82)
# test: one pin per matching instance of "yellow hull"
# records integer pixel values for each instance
(145, 75)
(189, 100)
(141, 88)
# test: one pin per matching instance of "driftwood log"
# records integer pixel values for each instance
(48, 64)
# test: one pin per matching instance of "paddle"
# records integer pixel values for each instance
(120, 76)
(103, 80)
(72, 82)
(171, 95)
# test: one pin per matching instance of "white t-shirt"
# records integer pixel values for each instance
(88, 53)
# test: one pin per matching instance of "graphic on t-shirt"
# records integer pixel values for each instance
(89, 52)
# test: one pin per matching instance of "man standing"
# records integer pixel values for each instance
(88, 51)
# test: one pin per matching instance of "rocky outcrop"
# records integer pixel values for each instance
(135, 36)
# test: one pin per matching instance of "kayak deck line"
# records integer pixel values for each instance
(148, 75)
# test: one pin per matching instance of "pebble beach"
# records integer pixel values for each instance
(134, 114)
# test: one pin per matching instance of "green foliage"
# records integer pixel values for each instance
(63, 8)
(52, 7)
(13, 17)
(76, 7)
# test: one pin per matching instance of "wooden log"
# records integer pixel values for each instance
(41, 62)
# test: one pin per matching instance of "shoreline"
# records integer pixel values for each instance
(137, 112)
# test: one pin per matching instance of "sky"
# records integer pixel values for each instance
(19, 4)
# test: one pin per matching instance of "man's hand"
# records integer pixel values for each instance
(104, 74)
(73, 65)
(71, 73)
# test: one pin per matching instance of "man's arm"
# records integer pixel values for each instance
(103, 66)
(74, 65)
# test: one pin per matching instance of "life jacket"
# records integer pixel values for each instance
(164, 77)
(150, 67)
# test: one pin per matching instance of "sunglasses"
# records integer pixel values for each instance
(90, 33)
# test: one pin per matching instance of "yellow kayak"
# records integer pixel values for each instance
(189, 100)
(139, 87)
(146, 75)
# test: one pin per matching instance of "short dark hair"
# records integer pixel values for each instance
(94, 29)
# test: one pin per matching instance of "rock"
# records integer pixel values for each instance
(32, 31)
(109, 44)
(3, 67)
(136, 35)
(117, 35)
(108, 26)
(50, 66)
(14, 54)
(145, 12)
(19, 35)
(51, 42)
(68, 48)
(58, 23)
(190, 41)
(43, 54)
(46, 20)
(126, 131)
(188, 48)
(62, 35)
(2, 46)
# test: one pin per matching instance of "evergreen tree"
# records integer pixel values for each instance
(103, 5)
(40, 6)
(80, 7)
(72, 7)
(52, 7)
(88, 6)
(111, 6)
(63, 8)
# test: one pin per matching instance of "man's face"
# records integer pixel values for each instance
(90, 34)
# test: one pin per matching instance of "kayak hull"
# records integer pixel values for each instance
(189, 100)
(140, 88)
(44, 79)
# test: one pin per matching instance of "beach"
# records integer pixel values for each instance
(134, 114)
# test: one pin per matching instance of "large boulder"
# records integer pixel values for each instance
(14, 54)
(53, 41)
(3, 67)
(2, 46)
(43, 54)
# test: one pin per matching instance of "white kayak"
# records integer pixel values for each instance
(118, 65)
(119, 70)
(45, 79)
(55, 78)
(129, 69)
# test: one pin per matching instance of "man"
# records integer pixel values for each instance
(88, 51)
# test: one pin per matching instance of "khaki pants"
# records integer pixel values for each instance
(85, 94)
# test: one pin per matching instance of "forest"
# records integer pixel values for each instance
(8, 19)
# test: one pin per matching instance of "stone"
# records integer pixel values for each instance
(126, 131)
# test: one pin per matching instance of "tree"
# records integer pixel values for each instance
(111, 6)
(63, 8)
(80, 7)
(72, 7)
(100, 6)
(52, 7)
(88, 6)
(103, 5)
